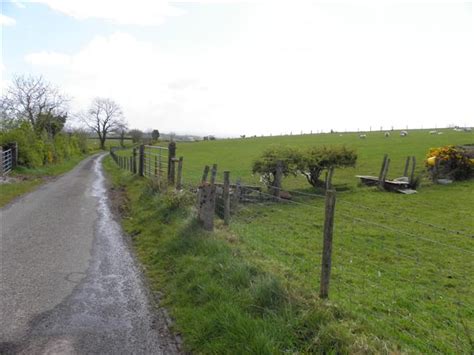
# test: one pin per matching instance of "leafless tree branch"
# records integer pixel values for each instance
(103, 117)
(28, 97)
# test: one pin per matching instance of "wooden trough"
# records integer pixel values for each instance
(402, 184)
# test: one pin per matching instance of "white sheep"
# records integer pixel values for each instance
(362, 136)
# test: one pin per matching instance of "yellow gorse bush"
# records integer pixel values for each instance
(453, 161)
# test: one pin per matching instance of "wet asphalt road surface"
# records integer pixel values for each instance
(68, 283)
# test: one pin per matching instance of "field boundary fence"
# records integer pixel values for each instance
(150, 161)
(374, 229)
(375, 243)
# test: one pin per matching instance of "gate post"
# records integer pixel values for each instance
(134, 163)
(171, 157)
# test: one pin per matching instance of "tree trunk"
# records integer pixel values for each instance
(313, 177)
(102, 142)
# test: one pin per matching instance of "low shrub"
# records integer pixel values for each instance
(266, 165)
(37, 149)
(310, 162)
(316, 159)
(31, 149)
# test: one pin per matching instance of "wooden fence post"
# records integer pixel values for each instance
(278, 177)
(172, 176)
(134, 163)
(382, 169)
(407, 164)
(226, 197)
(385, 172)
(130, 163)
(413, 165)
(203, 181)
(156, 165)
(213, 174)
(204, 174)
(330, 205)
(206, 206)
(141, 160)
(179, 178)
(207, 201)
(171, 157)
(329, 178)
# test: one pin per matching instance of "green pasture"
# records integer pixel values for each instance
(402, 264)
(236, 155)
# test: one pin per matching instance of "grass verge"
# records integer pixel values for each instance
(221, 301)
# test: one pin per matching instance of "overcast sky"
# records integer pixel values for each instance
(260, 67)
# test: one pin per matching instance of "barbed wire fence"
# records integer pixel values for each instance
(377, 266)
(381, 267)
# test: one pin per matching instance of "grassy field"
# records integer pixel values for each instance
(402, 265)
(94, 143)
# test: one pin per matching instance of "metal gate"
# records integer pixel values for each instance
(6, 160)
(155, 161)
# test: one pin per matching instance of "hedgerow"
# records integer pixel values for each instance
(37, 149)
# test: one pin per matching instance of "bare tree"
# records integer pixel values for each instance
(103, 117)
(30, 97)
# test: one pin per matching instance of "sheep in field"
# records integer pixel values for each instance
(362, 136)
(387, 134)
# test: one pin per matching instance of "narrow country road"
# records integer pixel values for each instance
(69, 284)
